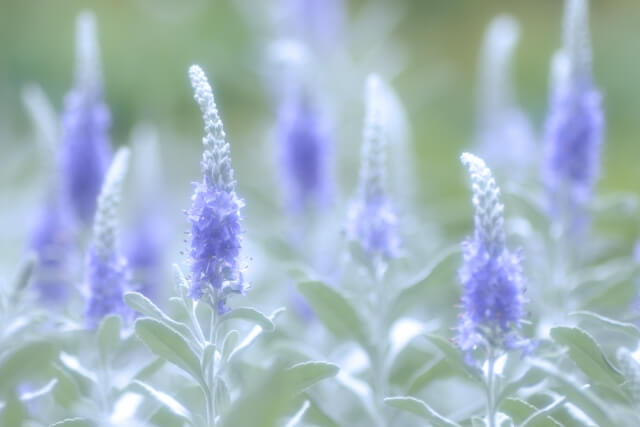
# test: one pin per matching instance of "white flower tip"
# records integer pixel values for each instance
(502, 35)
(471, 160)
(119, 166)
(576, 34)
(87, 51)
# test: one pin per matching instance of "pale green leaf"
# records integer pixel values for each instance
(250, 314)
(587, 354)
(420, 408)
(109, 334)
(334, 310)
(169, 344)
(623, 327)
(144, 305)
(303, 375)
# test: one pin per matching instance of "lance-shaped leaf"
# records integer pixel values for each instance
(418, 407)
(587, 355)
(167, 343)
(335, 311)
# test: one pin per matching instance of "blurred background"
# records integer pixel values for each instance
(427, 50)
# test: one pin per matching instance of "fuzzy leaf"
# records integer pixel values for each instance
(299, 415)
(165, 400)
(109, 334)
(453, 356)
(303, 375)
(74, 422)
(169, 344)
(144, 305)
(623, 327)
(252, 315)
(587, 354)
(229, 343)
(24, 362)
(335, 311)
(418, 407)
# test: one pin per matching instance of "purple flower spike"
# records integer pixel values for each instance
(106, 278)
(86, 149)
(215, 210)
(491, 275)
(51, 240)
(304, 153)
(372, 220)
(106, 274)
(575, 124)
(503, 131)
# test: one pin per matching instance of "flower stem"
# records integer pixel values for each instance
(491, 388)
(380, 342)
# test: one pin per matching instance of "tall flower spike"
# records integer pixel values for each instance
(215, 210)
(503, 133)
(575, 124)
(52, 241)
(51, 234)
(491, 275)
(304, 150)
(86, 151)
(106, 272)
(372, 221)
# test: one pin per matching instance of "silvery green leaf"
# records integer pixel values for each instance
(74, 422)
(542, 413)
(436, 369)
(335, 311)
(169, 344)
(229, 343)
(297, 418)
(26, 361)
(577, 394)
(453, 356)
(109, 334)
(623, 327)
(165, 400)
(222, 396)
(66, 391)
(411, 292)
(250, 314)
(208, 356)
(75, 367)
(42, 391)
(144, 305)
(303, 375)
(271, 396)
(13, 413)
(587, 355)
(420, 408)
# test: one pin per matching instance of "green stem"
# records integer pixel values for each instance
(491, 387)
(380, 344)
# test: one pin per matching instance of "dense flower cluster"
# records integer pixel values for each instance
(304, 152)
(106, 278)
(491, 275)
(86, 149)
(575, 123)
(372, 221)
(504, 133)
(51, 241)
(215, 210)
(106, 274)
